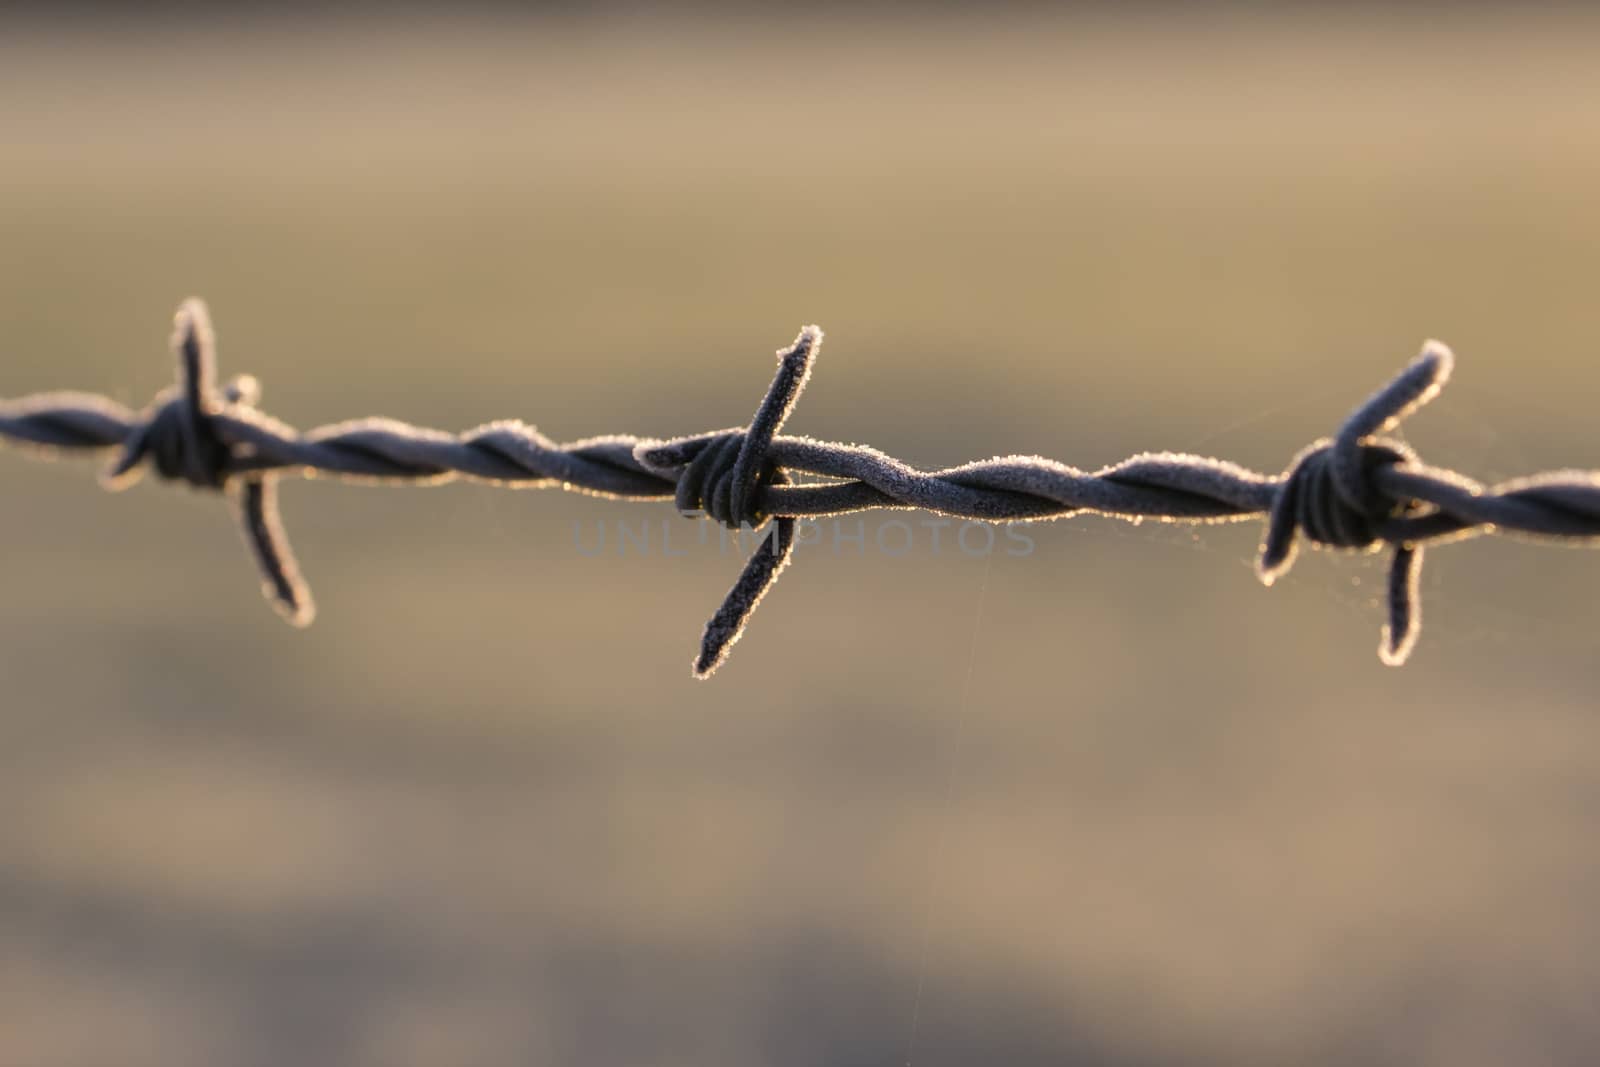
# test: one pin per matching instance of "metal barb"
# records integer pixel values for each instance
(1357, 490)
(179, 434)
(749, 467)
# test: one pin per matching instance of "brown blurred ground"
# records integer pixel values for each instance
(479, 814)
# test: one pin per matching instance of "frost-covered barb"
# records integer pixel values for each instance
(1358, 490)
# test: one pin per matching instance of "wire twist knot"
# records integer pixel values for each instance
(180, 437)
(1334, 493)
(1332, 513)
(179, 434)
(720, 476)
(713, 480)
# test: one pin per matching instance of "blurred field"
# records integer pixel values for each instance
(480, 814)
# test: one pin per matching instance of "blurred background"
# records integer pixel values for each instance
(1107, 803)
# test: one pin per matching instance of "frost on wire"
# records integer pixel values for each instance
(1359, 490)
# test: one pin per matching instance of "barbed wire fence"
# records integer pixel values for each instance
(1358, 490)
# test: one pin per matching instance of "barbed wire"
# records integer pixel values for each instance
(1358, 490)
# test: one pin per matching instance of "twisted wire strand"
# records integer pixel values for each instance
(1358, 490)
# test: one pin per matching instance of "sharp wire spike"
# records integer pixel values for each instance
(734, 499)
